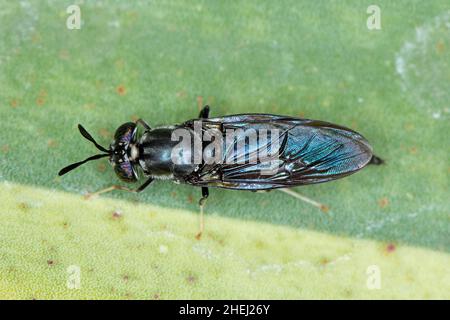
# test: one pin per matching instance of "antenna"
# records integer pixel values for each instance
(85, 134)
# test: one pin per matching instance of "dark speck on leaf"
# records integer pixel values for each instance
(24, 206)
(121, 90)
(50, 262)
(390, 247)
(191, 279)
(117, 215)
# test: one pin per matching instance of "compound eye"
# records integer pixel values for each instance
(125, 133)
(125, 171)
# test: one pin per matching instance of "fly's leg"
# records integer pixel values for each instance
(117, 187)
(144, 124)
(202, 203)
(316, 204)
(204, 113)
(376, 160)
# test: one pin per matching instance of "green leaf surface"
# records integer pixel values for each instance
(124, 250)
(161, 61)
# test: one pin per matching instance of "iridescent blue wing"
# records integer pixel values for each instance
(308, 152)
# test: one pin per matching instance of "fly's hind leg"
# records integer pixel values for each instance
(314, 203)
(202, 203)
(117, 187)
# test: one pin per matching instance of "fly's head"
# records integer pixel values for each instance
(124, 152)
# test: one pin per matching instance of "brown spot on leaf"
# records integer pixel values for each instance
(116, 215)
(173, 194)
(383, 202)
(5, 148)
(156, 296)
(42, 97)
(324, 261)
(40, 101)
(199, 103)
(14, 103)
(24, 206)
(413, 150)
(191, 279)
(105, 133)
(390, 248)
(50, 262)
(125, 278)
(52, 143)
(324, 208)
(440, 47)
(101, 167)
(121, 90)
(190, 199)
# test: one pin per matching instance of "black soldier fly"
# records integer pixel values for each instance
(264, 152)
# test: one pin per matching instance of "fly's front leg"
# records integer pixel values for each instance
(117, 187)
(202, 203)
(144, 124)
